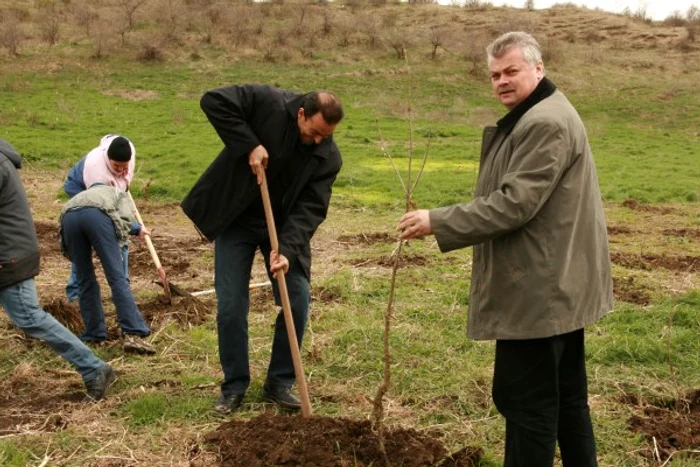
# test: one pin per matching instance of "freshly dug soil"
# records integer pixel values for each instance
(268, 440)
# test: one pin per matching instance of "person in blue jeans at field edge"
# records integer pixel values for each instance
(19, 264)
(102, 218)
(288, 137)
(114, 161)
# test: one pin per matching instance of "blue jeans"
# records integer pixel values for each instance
(234, 251)
(83, 230)
(72, 288)
(21, 303)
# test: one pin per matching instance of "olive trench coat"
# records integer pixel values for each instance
(541, 265)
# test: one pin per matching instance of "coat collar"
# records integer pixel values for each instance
(544, 89)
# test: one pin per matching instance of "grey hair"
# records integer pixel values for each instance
(532, 52)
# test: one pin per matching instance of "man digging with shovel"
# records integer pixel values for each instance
(288, 138)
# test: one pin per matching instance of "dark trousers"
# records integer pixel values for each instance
(234, 251)
(540, 387)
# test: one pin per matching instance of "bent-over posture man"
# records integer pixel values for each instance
(112, 162)
(101, 218)
(19, 264)
(289, 136)
(541, 269)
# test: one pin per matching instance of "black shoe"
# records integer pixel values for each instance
(282, 396)
(97, 388)
(227, 404)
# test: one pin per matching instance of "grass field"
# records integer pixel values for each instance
(642, 113)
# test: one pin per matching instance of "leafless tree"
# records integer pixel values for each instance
(399, 41)
(85, 17)
(11, 33)
(49, 21)
(530, 5)
(437, 35)
(129, 8)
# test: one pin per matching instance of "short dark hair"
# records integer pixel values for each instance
(325, 102)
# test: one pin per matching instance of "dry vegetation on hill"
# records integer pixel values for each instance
(280, 31)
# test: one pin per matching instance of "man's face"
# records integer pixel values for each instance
(119, 168)
(314, 129)
(513, 79)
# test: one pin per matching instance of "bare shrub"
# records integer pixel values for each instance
(344, 29)
(517, 22)
(693, 17)
(327, 26)
(103, 38)
(693, 14)
(150, 53)
(475, 54)
(436, 37)
(593, 36)
(529, 5)
(11, 33)
(49, 22)
(369, 25)
(171, 15)
(399, 41)
(128, 9)
(85, 17)
(675, 19)
(551, 49)
(243, 22)
(212, 20)
(477, 5)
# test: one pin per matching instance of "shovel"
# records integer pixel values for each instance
(286, 306)
(154, 255)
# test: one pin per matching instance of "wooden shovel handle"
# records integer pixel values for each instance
(286, 306)
(152, 250)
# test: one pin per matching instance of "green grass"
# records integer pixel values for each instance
(645, 149)
(645, 145)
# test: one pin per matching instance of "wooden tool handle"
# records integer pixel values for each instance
(286, 306)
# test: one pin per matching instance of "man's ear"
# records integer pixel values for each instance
(301, 114)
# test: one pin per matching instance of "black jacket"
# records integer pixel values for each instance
(244, 117)
(19, 248)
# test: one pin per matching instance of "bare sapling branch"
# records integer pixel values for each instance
(408, 188)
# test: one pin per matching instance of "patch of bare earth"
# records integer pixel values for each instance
(367, 238)
(29, 402)
(635, 205)
(672, 428)
(327, 442)
(625, 289)
(652, 261)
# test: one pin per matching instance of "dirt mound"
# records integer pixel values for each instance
(670, 426)
(388, 261)
(687, 233)
(368, 238)
(185, 310)
(619, 230)
(635, 205)
(624, 289)
(49, 240)
(65, 312)
(650, 262)
(327, 442)
(29, 404)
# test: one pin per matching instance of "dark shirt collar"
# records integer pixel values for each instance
(544, 89)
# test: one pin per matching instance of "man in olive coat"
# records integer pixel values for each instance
(541, 269)
(289, 137)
